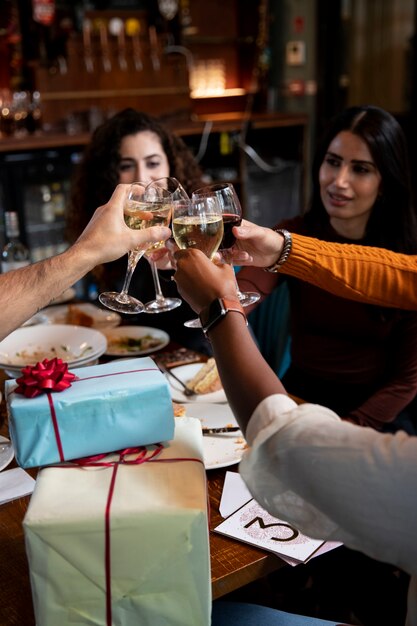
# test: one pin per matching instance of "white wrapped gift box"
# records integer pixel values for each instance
(158, 565)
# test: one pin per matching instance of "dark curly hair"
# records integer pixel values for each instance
(97, 175)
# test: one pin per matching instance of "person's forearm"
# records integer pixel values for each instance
(246, 377)
(371, 275)
(25, 291)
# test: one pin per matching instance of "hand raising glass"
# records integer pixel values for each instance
(232, 216)
(161, 303)
(143, 208)
(198, 223)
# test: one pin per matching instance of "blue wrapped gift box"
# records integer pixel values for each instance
(109, 407)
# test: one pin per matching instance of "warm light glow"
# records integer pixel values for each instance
(224, 93)
(207, 78)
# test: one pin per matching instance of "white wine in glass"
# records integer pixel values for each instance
(232, 216)
(142, 209)
(198, 223)
(161, 303)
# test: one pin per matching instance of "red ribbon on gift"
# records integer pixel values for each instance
(142, 455)
(44, 377)
(50, 375)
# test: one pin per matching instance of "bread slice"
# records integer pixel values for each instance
(179, 409)
(206, 379)
(78, 317)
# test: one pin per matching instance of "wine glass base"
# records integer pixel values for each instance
(247, 298)
(162, 306)
(195, 323)
(112, 300)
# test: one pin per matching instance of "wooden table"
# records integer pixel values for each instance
(233, 564)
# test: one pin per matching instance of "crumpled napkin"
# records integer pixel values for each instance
(15, 483)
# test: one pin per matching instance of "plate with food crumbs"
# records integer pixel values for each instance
(6, 452)
(134, 340)
(82, 314)
(75, 345)
(202, 377)
(222, 449)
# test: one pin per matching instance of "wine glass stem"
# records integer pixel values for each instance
(239, 293)
(132, 261)
(227, 258)
(158, 290)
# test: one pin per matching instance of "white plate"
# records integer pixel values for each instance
(74, 344)
(38, 318)
(6, 452)
(223, 449)
(134, 332)
(102, 318)
(17, 372)
(65, 296)
(185, 373)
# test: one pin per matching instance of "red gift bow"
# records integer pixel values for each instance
(50, 375)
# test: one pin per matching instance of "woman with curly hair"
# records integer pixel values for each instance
(133, 146)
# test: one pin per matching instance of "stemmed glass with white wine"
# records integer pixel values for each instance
(232, 216)
(143, 208)
(197, 223)
(161, 303)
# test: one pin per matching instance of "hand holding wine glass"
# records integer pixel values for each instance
(232, 216)
(143, 209)
(198, 223)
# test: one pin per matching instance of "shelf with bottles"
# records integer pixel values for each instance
(36, 185)
(14, 253)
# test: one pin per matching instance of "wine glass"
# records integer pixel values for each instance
(198, 223)
(161, 303)
(232, 216)
(143, 208)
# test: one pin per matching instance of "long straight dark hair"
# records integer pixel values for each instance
(393, 221)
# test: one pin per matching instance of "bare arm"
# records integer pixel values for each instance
(331, 479)
(247, 378)
(105, 238)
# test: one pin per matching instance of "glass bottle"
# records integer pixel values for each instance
(14, 254)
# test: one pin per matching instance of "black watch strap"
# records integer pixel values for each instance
(216, 311)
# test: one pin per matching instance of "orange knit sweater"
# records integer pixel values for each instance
(371, 275)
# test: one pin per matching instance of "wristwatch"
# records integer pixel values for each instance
(285, 253)
(211, 315)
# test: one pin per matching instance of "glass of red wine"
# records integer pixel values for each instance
(232, 216)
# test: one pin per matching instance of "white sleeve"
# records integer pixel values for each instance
(334, 480)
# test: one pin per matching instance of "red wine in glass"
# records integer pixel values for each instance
(229, 220)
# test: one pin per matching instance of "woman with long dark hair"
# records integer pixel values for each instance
(357, 359)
